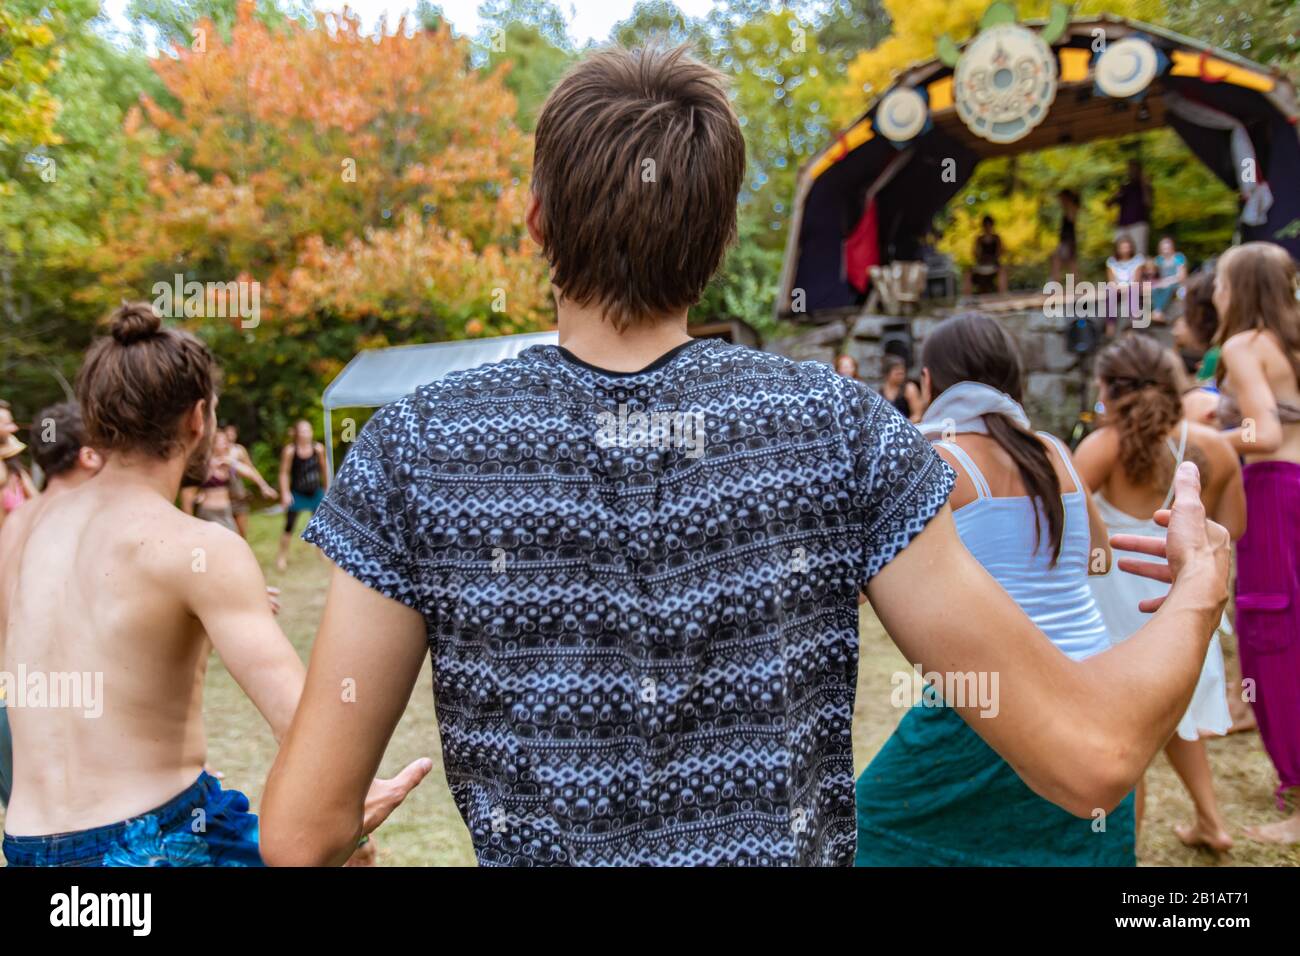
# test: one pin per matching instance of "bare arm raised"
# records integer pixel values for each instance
(1079, 733)
(228, 596)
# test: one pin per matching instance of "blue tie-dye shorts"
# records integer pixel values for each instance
(203, 826)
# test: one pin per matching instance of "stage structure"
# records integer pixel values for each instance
(1019, 88)
(870, 197)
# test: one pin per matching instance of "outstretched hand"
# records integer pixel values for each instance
(1194, 545)
(385, 796)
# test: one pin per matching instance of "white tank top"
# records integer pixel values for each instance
(999, 532)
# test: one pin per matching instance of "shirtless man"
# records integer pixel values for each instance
(112, 584)
(59, 448)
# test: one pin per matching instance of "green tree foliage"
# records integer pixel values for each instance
(1267, 31)
(59, 186)
(173, 22)
(526, 40)
(656, 21)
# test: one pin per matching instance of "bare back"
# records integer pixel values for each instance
(1264, 386)
(1100, 465)
(94, 606)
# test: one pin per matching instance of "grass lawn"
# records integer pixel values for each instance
(427, 830)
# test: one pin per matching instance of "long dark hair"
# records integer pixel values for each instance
(1199, 314)
(1144, 402)
(974, 348)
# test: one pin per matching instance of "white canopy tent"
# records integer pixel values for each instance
(378, 376)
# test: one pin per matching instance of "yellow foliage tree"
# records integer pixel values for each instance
(1019, 223)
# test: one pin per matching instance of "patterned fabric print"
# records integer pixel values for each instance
(641, 655)
(203, 826)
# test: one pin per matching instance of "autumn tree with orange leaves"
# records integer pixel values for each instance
(374, 187)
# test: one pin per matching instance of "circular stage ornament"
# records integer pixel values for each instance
(902, 115)
(1004, 83)
(1126, 68)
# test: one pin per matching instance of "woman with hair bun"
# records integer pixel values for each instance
(1131, 461)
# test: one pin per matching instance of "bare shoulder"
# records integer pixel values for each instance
(183, 549)
(1212, 443)
(1059, 455)
(1252, 342)
(1104, 441)
(963, 490)
(1096, 457)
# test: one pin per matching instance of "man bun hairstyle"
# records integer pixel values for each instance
(134, 323)
(637, 164)
(137, 383)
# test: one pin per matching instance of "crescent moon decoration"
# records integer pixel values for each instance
(902, 115)
(1126, 68)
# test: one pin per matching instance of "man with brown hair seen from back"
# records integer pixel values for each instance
(111, 599)
(635, 558)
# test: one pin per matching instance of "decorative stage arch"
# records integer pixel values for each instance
(1016, 88)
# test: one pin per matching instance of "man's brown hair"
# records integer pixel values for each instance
(637, 165)
(58, 435)
(137, 383)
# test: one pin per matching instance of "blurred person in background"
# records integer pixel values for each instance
(238, 491)
(1259, 383)
(899, 390)
(304, 479)
(1169, 272)
(212, 499)
(847, 366)
(16, 485)
(1194, 331)
(1131, 462)
(60, 451)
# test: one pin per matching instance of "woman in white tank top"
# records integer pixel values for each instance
(936, 793)
(1131, 461)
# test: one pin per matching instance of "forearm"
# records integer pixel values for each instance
(1255, 441)
(276, 694)
(249, 472)
(303, 824)
(1139, 689)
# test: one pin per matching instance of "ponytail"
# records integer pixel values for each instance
(1144, 404)
(1038, 475)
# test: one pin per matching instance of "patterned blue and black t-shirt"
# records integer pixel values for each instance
(640, 591)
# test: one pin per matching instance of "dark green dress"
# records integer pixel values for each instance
(938, 795)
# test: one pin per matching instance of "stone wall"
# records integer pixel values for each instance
(1055, 376)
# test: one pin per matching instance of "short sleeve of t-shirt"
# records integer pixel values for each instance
(900, 481)
(362, 524)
